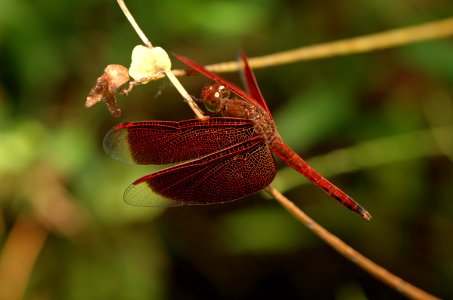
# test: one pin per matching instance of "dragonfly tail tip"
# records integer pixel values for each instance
(364, 213)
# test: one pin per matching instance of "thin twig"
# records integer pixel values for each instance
(366, 264)
(197, 111)
(134, 24)
(366, 43)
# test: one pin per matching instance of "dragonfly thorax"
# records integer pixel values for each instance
(216, 98)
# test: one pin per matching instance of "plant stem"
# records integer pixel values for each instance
(366, 264)
(197, 111)
(361, 44)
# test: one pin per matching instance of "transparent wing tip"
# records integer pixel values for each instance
(141, 194)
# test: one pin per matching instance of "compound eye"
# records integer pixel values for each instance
(208, 92)
(223, 92)
(213, 97)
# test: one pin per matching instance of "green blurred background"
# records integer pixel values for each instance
(379, 124)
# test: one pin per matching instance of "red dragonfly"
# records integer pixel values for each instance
(228, 156)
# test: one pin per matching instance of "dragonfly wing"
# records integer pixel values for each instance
(162, 142)
(226, 175)
(231, 86)
(252, 84)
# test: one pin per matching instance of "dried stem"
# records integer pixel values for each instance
(366, 43)
(375, 270)
(134, 24)
(197, 111)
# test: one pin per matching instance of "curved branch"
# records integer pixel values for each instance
(366, 264)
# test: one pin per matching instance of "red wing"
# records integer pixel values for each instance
(226, 175)
(162, 142)
(234, 88)
(252, 84)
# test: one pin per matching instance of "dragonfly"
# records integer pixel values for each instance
(222, 158)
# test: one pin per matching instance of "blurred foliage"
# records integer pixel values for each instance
(53, 169)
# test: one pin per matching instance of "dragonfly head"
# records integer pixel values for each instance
(213, 96)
